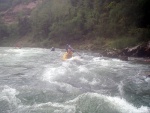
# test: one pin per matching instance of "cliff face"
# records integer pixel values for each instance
(10, 16)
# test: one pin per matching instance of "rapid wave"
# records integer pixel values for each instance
(97, 103)
(35, 80)
(8, 100)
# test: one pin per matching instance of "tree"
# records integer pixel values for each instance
(3, 30)
(24, 25)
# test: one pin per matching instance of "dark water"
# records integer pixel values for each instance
(34, 80)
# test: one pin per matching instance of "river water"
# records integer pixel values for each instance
(35, 80)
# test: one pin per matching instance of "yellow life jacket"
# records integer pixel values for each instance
(67, 55)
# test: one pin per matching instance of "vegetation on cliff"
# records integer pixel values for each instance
(92, 24)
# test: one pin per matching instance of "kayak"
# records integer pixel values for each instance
(67, 56)
(74, 58)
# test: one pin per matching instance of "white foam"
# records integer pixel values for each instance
(9, 94)
(83, 69)
(51, 73)
(66, 64)
(58, 108)
(83, 80)
(119, 104)
(147, 79)
(93, 82)
(76, 58)
(3, 55)
(122, 105)
(104, 63)
(15, 50)
(96, 59)
(125, 107)
(24, 51)
(66, 87)
(120, 86)
(116, 60)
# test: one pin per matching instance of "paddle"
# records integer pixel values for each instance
(68, 46)
(78, 54)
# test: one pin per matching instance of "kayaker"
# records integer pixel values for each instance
(52, 49)
(69, 52)
(69, 46)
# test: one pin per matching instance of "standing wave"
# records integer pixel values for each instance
(97, 103)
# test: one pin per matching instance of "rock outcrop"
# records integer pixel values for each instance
(141, 50)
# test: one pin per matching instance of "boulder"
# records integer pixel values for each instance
(142, 50)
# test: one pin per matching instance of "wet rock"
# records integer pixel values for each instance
(110, 53)
(148, 76)
(125, 58)
(142, 50)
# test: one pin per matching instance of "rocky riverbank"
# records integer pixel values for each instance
(141, 50)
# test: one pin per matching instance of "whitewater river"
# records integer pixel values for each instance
(34, 80)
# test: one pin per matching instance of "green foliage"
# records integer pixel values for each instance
(98, 43)
(24, 26)
(13, 31)
(48, 19)
(122, 42)
(143, 34)
(66, 21)
(3, 30)
(70, 20)
(8, 34)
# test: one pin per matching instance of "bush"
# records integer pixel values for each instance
(123, 42)
(143, 34)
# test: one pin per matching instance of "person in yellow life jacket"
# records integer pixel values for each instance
(69, 52)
